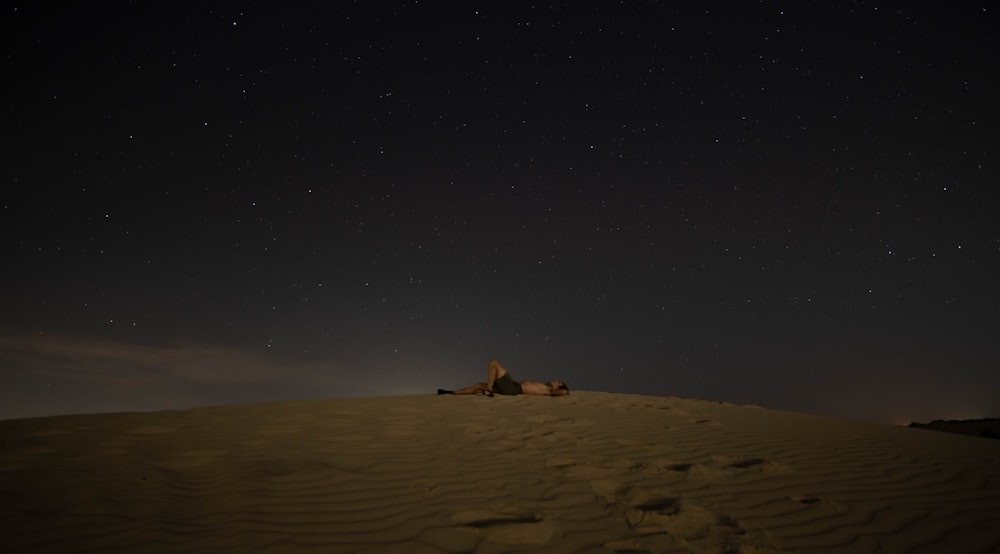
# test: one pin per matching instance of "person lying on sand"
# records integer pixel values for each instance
(500, 381)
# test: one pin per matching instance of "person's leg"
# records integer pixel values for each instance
(496, 371)
(478, 388)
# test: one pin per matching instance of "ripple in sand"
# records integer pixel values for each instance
(750, 463)
(190, 459)
(10, 466)
(508, 525)
(489, 518)
(49, 433)
(546, 419)
(152, 430)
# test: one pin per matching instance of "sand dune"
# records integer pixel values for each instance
(592, 472)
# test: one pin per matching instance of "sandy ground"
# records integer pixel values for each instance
(591, 472)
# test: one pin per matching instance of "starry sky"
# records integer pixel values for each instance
(788, 204)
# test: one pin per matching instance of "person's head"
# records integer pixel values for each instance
(558, 388)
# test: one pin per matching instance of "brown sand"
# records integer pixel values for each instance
(592, 472)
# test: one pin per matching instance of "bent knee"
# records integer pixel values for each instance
(495, 367)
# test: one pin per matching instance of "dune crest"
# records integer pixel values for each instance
(591, 472)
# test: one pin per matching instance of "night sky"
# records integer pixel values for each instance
(785, 204)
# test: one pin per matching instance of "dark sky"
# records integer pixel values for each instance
(786, 204)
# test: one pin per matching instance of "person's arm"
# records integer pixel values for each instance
(558, 388)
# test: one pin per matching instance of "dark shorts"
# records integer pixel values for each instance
(506, 385)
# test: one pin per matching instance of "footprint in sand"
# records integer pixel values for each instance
(649, 512)
(607, 489)
(678, 469)
(653, 512)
